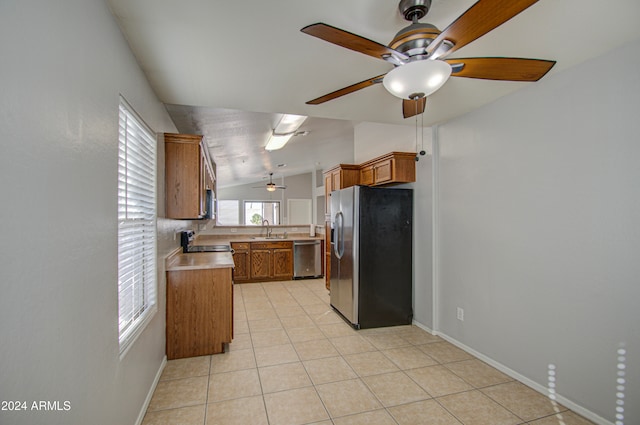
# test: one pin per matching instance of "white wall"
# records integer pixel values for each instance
(372, 140)
(539, 235)
(64, 63)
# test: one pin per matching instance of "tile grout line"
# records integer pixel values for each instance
(255, 358)
(293, 346)
(208, 388)
(313, 385)
(358, 376)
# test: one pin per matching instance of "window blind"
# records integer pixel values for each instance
(137, 214)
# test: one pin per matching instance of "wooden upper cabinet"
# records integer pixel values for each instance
(395, 167)
(188, 175)
(328, 186)
(339, 177)
(366, 175)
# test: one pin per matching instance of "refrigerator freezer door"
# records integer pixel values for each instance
(342, 280)
(385, 257)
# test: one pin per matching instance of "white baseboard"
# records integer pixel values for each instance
(523, 379)
(423, 327)
(143, 411)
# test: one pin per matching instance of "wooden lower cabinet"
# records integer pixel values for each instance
(262, 261)
(282, 263)
(241, 261)
(199, 312)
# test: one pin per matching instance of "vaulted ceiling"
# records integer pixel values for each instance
(228, 69)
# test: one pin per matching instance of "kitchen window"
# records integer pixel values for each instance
(137, 212)
(257, 211)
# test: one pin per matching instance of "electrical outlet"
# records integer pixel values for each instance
(233, 230)
(461, 314)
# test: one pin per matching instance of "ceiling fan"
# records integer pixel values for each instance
(271, 186)
(418, 51)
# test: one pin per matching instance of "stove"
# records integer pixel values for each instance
(186, 241)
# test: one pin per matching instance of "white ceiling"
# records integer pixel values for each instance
(234, 66)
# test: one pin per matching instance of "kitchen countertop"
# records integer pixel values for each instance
(198, 260)
(178, 260)
(227, 239)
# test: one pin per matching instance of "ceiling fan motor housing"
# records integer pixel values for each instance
(414, 39)
(413, 10)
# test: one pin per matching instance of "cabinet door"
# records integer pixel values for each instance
(335, 180)
(366, 176)
(283, 263)
(203, 183)
(182, 179)
(383, 171)
(260, 263)
(199, 312)
(327, 193)
(241, 262)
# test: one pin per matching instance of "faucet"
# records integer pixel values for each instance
(268, 231)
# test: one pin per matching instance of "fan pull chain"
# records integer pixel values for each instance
(422, 152)
(416, 103)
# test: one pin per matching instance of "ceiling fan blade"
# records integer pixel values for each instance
(346, 90)
(413, 107)
(350, 41)
(507, 69)
(478, 20)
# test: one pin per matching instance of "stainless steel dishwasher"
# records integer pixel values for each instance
(307, 259)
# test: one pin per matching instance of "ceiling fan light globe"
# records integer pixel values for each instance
(397, 86)
(422, 76)
(435, 81)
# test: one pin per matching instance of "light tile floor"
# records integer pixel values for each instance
(294, 361)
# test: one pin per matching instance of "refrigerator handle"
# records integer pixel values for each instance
(338, 246)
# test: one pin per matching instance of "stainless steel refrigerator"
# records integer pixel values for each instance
(371, 256)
